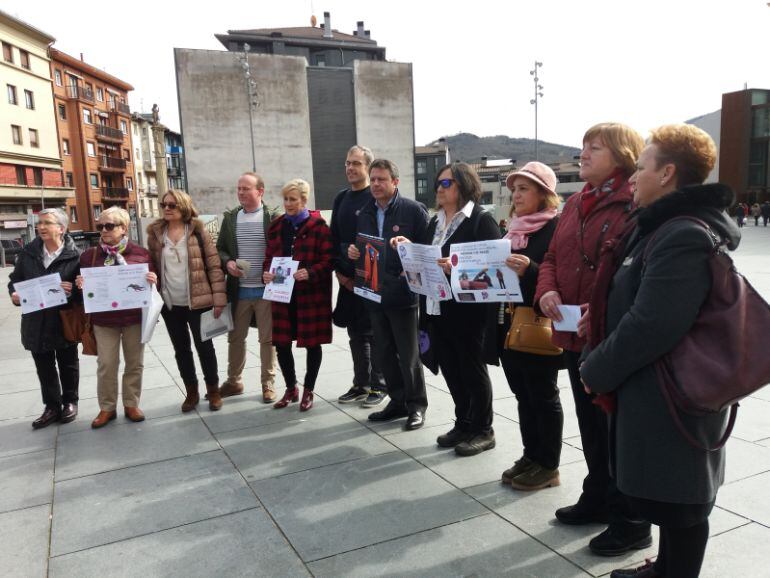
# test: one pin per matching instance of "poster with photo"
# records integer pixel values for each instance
(40, 293)
(282, 285)
(115, 288)
(480, 275)
(368, 267)
(422, 271)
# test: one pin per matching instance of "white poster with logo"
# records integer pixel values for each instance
(40, 293)
(115, 287)
(282, 285)
(480, 275)
(422, 271)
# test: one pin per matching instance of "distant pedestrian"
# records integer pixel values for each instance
(766, 212)
(756, 212)
(740, 214)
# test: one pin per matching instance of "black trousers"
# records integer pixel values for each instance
(398, 354)
(460, 354)
(532, 379)
(286, 362)
(366, 370)
(58, 386)
(178, 320)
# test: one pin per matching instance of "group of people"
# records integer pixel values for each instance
(755, 211)
(638, 302)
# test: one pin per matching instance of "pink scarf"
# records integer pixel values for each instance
(520, 228)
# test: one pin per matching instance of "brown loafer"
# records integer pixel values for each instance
(268, 394)
(103, 419)
(134, 414)
(230, 389)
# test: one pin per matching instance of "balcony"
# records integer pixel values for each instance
(174, 172)
(148, 167)
(114, 193)
(111, 164)
(80, 93)
(120, 107)
(107, 133)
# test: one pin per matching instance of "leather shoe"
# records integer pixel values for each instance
(476, 444)
(50, 415)
(582, 513)
(69, 413)
(415, 420)
(103, 419)
(134, 414)
(453, 437)
(390, 413)
(229, 389)
(646, 570)
(620, 538)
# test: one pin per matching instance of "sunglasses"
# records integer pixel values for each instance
(108, 226)
(445, 183)
(169, 206)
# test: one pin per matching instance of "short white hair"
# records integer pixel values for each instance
(61, 217)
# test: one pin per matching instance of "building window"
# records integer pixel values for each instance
(136, 130)
(136, 154)
(100, 94)
(94, 180)
(21, 176)
(62, 111)
(33, 138)
(123, 127)
(87, 118)
(65, 146)
(91, 149)
(29, 99)
(129, 183)
(73, 214)
(139, 180)
(422, 187)
(97, 211)
(57, 76)
(16, 131)
(127, 155)
(7, 52)
(422, 167)
(70, 180)
(37, 174)
(12, 97)
(24, 59)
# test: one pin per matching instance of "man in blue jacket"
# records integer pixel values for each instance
(394, 318)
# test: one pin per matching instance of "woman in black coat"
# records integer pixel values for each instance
(53, 251)
(661, 281)
(532, 378)
(458, 329)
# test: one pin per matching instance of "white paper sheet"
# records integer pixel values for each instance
(40, 293)
(571, 315)
(423, 274)
(280, 288)
(150, 315)
(480, 275)
(115, 287)
(211, 327)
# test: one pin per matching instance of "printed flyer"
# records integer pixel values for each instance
(280, 288)
(115, 287)
(423, 273)
(368, 266)
(40, 293)
(480, 275)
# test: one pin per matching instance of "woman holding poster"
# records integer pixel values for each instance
(307, 318)
(56, 360)
(115, 328)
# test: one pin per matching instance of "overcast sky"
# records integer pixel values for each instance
(644, 63)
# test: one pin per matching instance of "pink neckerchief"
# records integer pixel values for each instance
(520, 228)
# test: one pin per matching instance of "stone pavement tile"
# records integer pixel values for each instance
(745, 459)
(20, 381)
(763, 394)
(317, 438)
(242, 544)
(469, 471)
(752, 423)
(533, 512)
(338, 508)
(574, 441)
(500, 387)
(26, 480)
(114, 506)
(18, 437)
(721, 521)
(21, 404)
(481, 546)
(24, 542)
(507, 407)
(332, 384)
(22, 363)
(121, 444)
(747, 498)
(740, 552)
(155, 403)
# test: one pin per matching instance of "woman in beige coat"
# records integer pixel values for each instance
(191, 281)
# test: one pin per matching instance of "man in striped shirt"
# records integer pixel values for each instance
(241, 244)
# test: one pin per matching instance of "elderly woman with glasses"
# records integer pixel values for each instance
(114, 329)
(458, 329)
(191, 282)
(53, 251)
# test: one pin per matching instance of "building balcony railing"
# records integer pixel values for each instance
(111, 163)
(115, 192)
(104, 132)
(148, 167)
(174, 172)
(80, 92)
(121, 107)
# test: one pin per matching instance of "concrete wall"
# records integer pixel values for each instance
(384, 101)
(712, 124)
(214, 113)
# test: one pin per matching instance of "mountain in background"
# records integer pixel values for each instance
(470, 148)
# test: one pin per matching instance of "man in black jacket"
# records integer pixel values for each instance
(394, 318)
(350, 312)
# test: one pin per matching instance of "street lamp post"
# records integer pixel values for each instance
(538, 95)
(251, 95)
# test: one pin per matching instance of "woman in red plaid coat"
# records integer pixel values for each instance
(307, 319)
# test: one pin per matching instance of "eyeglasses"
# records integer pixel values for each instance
(169, 206)
(445, 183)
(47, 224)
(108, 226)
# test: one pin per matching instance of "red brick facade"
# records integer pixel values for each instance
(8, 176)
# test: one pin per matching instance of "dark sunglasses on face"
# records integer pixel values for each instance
(108, 226)
(169, 206)
(445, 183)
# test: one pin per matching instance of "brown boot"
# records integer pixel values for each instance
(215, 400)
(192, 398)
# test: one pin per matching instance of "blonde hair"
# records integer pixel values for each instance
(118, 215)
(299, 185)
(624, 142)
(184, 203)
(690, 149)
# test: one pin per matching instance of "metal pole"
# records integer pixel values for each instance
(42, 195)
(251, 98)
(538, 94)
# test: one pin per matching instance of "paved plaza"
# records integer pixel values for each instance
(251, 491)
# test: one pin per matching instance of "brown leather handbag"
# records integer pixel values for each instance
(723, 358)
(76, 324)
(530, 332)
